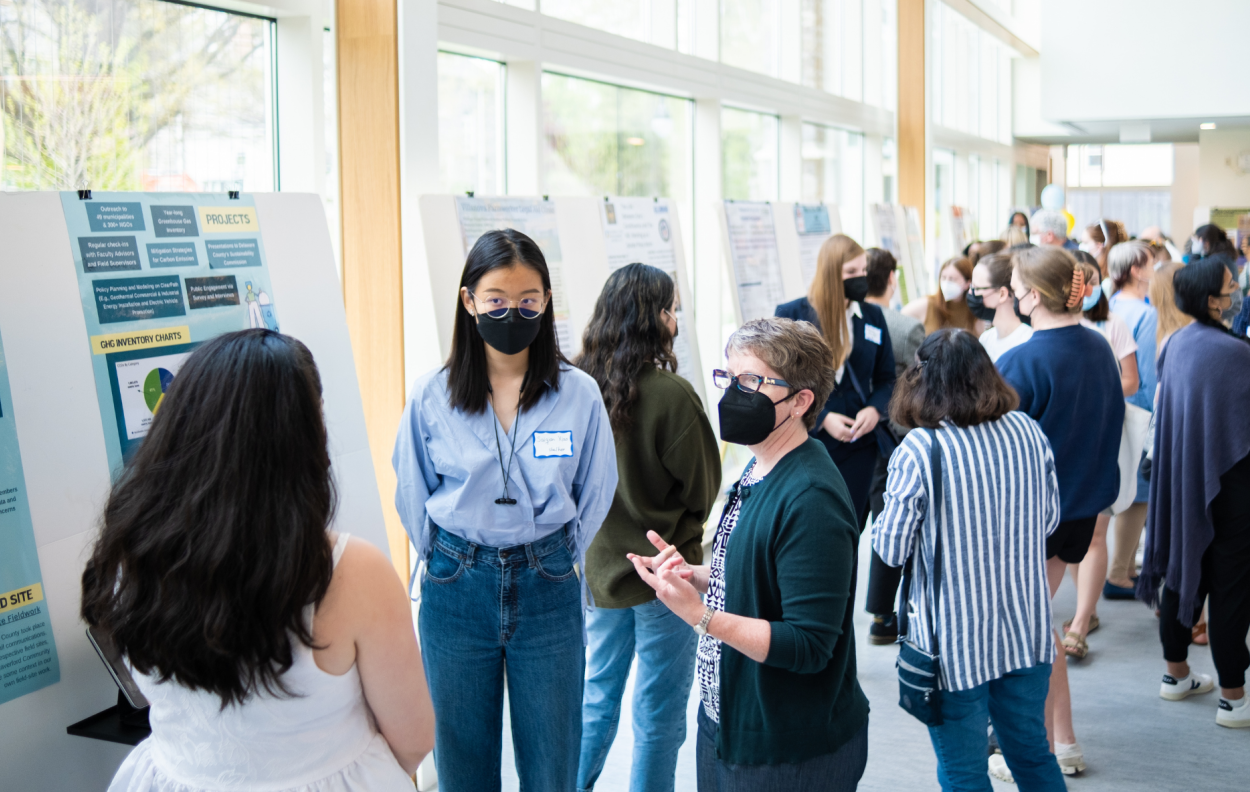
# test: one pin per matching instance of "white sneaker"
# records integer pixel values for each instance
(1071, 760)
(1234, 716)
(999, 768)
(1174, 689)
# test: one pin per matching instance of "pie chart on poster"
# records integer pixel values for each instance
(154, 387)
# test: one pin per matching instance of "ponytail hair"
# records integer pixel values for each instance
(1050, 271)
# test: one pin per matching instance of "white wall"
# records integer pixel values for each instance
(1185, 189)
(1222, 183)
(1127, 59)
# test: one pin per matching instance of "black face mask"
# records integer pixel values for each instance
(511, 334)
(856, 288)
(1028, 320)
(747, 418)
(976, 304)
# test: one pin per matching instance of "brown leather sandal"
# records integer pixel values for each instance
(1075, 646)
(1200, 633)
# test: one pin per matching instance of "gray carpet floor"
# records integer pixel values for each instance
(1132, 739)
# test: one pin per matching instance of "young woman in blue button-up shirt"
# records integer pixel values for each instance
(506, 468)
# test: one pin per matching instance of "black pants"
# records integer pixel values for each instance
(883, 579)
(856, 466)
(1226, 580)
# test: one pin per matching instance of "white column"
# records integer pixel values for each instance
(790, 166)
(419, 174)
(524, 136)
(301, 105)
(709, 269)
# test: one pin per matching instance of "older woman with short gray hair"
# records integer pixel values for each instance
(781, 706)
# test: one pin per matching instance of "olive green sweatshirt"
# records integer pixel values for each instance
(670, 469)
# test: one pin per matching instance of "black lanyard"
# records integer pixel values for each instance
(506, 471)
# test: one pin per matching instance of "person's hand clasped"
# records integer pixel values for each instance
(838, 427)
(671, 577)
(865, 421)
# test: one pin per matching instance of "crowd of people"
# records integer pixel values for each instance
(988, 437)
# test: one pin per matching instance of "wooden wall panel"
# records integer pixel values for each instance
(911, 105)
(368, 110)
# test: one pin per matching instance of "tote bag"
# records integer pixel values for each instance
(1132, 442)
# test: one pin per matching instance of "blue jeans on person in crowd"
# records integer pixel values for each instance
(665, 646)
(839, 771)
(1016, 705)
(487, 608)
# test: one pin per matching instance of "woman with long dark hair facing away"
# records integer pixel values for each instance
(506, 470)
(276, 654)
(669, 466)
(988, 608)
(863, 363)
(780, 703)
(1068, 381)
(1198, 531)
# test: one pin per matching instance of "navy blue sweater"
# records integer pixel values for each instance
(1069, 383)
(871, 360)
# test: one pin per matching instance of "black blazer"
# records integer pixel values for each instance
(871, 361)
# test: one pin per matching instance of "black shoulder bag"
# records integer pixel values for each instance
(919, 674)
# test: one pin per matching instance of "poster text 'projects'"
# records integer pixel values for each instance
(160, 274)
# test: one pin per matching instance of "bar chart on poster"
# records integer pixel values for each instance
(158, 275)
(534, 217)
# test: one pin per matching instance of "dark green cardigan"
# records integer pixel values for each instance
(791, 560)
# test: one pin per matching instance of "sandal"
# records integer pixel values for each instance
(1093, 624)
(1075, 646)
(1200, 633)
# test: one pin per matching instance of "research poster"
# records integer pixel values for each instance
(159, 274)
(28, 659)
(534, 217)
(753, 253)
(814, 225)
(919, 282)
(641, 230)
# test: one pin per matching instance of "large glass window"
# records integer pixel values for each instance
(652, 21)
(135, 95)
(470, 124)
(750, 32)
(971, 78)
(833, 173)
(833, 46)
(748, 155)
(602, 139)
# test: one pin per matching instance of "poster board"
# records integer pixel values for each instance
(959, 222)
(801, 230)
(62, 433)
(648, 231)
(900, 234)
(575, 229)
(753, 259)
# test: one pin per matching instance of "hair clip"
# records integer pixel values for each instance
(1078, 287)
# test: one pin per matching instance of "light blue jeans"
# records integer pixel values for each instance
(665, 646)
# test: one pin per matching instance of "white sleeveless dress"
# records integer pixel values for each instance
(323, 741)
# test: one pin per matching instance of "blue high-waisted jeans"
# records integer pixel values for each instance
(487, 608)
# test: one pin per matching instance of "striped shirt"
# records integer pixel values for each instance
(999, 503)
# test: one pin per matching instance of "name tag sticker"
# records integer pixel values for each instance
(553, 444)
(873, 334)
